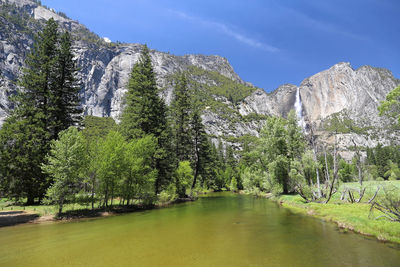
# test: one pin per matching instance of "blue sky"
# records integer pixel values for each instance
(268, 42)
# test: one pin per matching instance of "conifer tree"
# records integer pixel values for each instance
(42, 109)
(204, 158)
(24, 136)
(145, 114)
(181, 108)
(65, 101)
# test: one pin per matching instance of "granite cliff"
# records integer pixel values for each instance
(233, 109)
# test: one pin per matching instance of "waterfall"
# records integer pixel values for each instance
(298, 106)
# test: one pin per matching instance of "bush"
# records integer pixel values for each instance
(183, 178)
(233, 186)
(380, 179)
(168, 195)
(255, 181)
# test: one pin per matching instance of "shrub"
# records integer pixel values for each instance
(168, 195)
(183, 178)
(233, 185)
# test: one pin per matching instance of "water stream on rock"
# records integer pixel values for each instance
(298, 106)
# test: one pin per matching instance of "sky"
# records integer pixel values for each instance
(268, 42)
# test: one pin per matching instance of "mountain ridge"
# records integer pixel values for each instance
(233, 108)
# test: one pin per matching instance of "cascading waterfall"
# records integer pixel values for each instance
(299, 110)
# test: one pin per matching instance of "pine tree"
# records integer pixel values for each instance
(205, 157)
(41, 110)
(199, 138)
(145, 114)
(25, 139)
(22, 148)
(181, 108)
(65, 101)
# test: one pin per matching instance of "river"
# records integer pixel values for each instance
(221, 229)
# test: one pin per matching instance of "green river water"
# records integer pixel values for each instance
(221, 229)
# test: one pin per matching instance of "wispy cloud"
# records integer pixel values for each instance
(225, 29)
(323, 26)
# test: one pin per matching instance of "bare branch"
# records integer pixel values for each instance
(374, 196)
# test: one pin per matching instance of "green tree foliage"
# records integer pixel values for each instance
(309, 166)
(281, 141)
(346, 171)
(46, 105)
(145, 111)
(145, 114)
(382, 157)
(204, 157)
(183, 178)
(111, 165)
(23, 148)
(393, 173)
(65, 102)
(391, 105)
(64, 165)
(233, 186)
(181, 109)
(298, 179)
(139, 179)
(97, 127)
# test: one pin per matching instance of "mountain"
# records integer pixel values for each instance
(233, 110)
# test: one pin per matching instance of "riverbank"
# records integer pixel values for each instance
(354, 217)
(15, 215)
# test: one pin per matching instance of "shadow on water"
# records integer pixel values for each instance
(11, 218)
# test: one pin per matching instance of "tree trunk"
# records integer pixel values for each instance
(335, 171)
(60, 206)
(326, 166)
(360, 179)
(30, 200)
(316, 169)
(93, 184)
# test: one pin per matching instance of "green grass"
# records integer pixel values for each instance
(41, 210)
(355, 216)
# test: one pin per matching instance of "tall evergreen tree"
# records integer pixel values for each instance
(145, 114)
(26, 134)
(201, 148)
(65, 101)
(181, 108)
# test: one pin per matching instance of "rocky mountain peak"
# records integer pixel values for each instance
(234, 108)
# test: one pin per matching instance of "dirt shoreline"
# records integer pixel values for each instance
(19, 217)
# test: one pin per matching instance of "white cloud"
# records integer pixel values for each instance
(106, 39)
(227, 31)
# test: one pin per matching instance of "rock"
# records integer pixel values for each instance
(105, 68)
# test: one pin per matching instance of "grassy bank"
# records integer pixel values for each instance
(355, 217)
